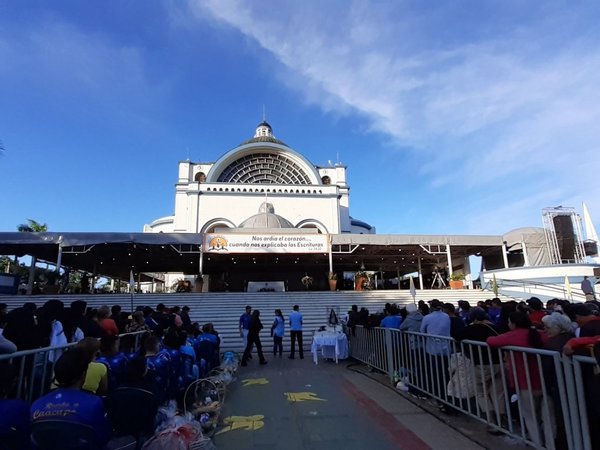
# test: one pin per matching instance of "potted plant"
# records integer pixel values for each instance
(457, 280)
(307, 281)
(332, 277)
(360, 280)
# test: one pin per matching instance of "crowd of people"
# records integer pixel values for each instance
(102, 363)
(88, 377)
(559, 325)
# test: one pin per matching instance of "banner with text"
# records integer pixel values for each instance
(266, 243)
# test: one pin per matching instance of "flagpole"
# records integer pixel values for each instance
(131, 285)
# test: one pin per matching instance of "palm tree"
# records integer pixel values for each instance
(32, 227)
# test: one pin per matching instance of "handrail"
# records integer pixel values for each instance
(528, 283)
(56, 347)
(481, 388)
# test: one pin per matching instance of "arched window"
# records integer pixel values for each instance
(325, 180)
(264, 168)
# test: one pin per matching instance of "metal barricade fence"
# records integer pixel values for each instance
(534, 395)
(35, 367)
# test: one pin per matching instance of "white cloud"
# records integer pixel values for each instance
(516, 107)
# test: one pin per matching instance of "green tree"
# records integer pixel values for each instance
(32, 226)
(5, 264)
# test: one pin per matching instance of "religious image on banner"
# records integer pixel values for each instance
(266, 243)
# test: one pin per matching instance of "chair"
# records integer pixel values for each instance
(132, 411)
(63, 435)
(11, 440)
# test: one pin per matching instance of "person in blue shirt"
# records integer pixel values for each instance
(159, 366)
(437, 323)
(392, 318)
(277, 332)
(296, 332)
(114, 360)
(69, 402)
(245, 324)
(206, 346)
(14, 413)
(494, 311)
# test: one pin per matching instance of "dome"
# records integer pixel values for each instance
(266, 218)
(264, 123)
(264, 133)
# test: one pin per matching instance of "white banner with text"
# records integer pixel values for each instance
(265, 243)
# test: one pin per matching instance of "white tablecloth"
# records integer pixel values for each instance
(333, 345)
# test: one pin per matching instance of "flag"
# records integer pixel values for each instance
(568, 287)
(494, 285)
(131, 281)
(413, 291)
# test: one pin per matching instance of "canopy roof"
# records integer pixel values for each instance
(111, 254)
(115, 254)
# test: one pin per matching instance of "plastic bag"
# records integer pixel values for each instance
(178, 433)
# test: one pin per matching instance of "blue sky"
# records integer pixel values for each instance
(462, 118)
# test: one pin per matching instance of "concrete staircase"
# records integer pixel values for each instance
(223, 309)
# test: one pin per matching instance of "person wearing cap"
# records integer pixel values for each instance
(437, 323)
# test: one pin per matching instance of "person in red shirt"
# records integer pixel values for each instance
(536, 312)
(528, 388)
(589, 324)
(588, 344)
(580, 343)
(109, 327)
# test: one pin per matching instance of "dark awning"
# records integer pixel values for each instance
(110, 254)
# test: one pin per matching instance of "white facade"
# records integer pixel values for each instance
(225, 193)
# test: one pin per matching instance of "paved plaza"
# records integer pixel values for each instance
(293, 405)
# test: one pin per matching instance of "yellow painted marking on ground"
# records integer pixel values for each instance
(253, 381)
(303, 397)
(247, 423)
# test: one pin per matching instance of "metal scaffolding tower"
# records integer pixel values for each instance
(562, 228)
